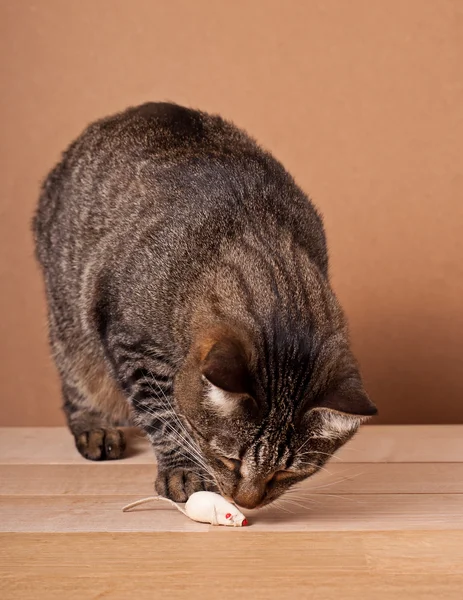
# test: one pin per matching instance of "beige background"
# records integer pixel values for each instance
(361, 100)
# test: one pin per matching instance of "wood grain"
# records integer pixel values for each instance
(329, 566)
(384, 520)
(371, 512)
(373, 444)
(337, 478)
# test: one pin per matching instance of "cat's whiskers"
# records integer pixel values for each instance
(315, 466)
(302, 446)
(180, 439)
(187, 436)
(183, 443)
(279, 505)
(336, 482)
(356, 500)
(205, 474)
(308, 496)
(296, 501)
(296, 493)
(202, 474)
(308, 452)
(177, 419)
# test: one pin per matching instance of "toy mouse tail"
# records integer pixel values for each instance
(129, 507)
(138, 503)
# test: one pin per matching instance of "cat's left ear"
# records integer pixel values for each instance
(225, 367)
(349, 398)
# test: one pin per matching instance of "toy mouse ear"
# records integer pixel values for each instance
(225, 367)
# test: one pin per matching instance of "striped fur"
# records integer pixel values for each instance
(187, 284)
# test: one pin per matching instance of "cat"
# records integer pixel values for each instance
(186, 277)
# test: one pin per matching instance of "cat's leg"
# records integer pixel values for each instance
(148, 381)
(182, 470)
(92, 400)
(95, 437)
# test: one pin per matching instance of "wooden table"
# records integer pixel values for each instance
(385, 520)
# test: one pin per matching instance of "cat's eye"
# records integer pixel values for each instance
(282, 475)
(231, 463)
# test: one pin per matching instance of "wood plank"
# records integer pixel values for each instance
(374, 443)
(115, 478)
(89, 513)
(422, 565)
(55, 445)
(369, 512)
(105, 478)
(385, 520)
(405, 443)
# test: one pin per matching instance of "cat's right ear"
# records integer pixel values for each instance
(225, 367)
(225, 370)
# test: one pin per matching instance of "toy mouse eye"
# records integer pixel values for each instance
(228, 516)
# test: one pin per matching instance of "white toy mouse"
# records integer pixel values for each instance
(204, 507)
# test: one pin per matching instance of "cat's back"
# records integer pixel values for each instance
(141, 155)
(160, 162)
(160, 134)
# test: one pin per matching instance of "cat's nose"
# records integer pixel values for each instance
(249, 495)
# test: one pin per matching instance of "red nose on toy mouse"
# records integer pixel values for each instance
(204, 507)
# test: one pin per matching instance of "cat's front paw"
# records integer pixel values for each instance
(101, 444)
(180, 483)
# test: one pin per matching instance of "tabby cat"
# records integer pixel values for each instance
(187, 283)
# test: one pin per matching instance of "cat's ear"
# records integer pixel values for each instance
(225, 367)
(343, 410)
(225, 370)
(349, 398)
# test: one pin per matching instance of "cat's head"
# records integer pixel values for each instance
(267, 415)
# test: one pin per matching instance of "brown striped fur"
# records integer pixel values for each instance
(187, 285)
